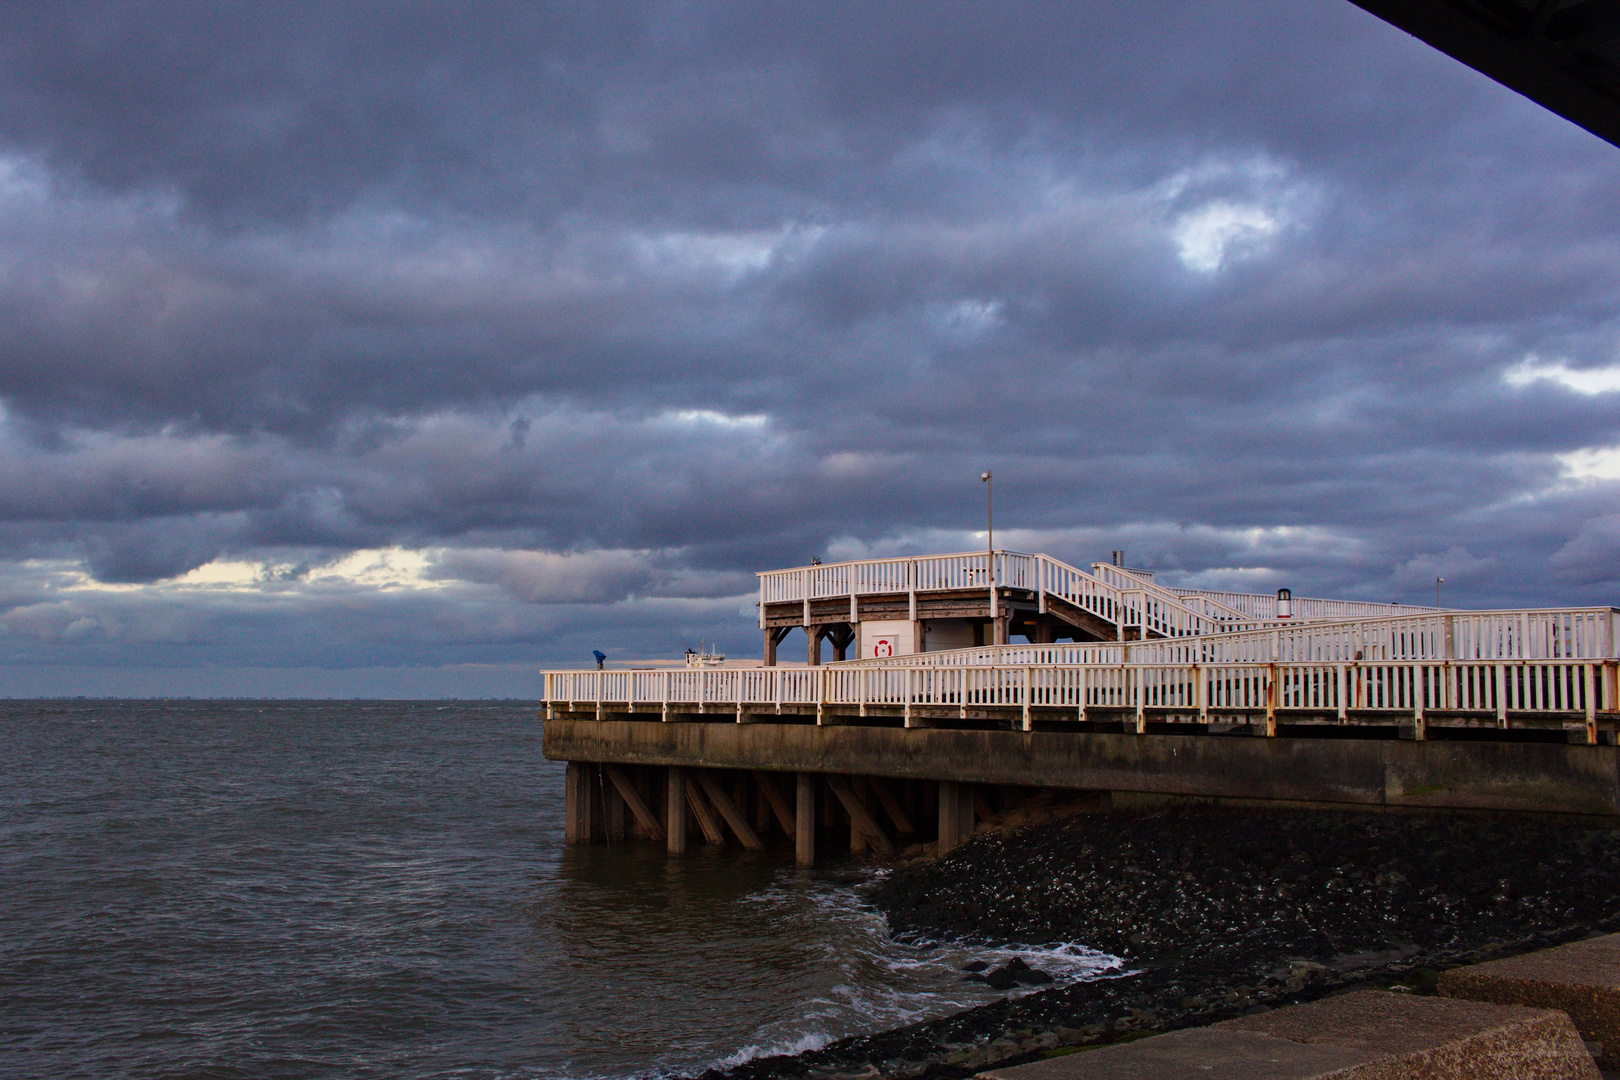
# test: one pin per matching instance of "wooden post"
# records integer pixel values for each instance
(675, 811)
(1271, 695)
(1590, 694)
(613, 830)
(813, 655)
(1420, 725)
(770, 647)
(579, 802)
(955, 814)
(804, 833)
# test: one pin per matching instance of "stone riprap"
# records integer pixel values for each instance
(1367, 1035)
(1307, 884)
(1581, 978)
(1220, 913)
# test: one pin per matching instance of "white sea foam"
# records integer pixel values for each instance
(878, 983)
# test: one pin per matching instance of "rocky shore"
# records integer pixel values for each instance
(1218, 912)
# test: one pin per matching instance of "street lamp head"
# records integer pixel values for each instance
(985, 476)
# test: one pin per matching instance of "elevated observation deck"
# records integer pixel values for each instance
(1140, 654)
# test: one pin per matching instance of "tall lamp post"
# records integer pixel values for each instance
(990, 542)
(989, 512)
(1437, 582)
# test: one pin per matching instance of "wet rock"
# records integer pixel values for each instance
(1047, 1041)
(975, 967)
(1000, 979)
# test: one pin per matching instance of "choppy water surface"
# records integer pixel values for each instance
(354, 889)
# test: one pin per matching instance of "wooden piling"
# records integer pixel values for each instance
(675, 811)
(955, 814)
(804, 833)
(579, 802)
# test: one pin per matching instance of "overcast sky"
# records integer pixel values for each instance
(403, 349)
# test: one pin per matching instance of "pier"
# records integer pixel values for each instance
(930, 719)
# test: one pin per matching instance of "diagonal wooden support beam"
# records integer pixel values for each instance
(728, 810)
(778, 804)
(891, 806)
(857, 813)
(632, 798)
(700, 810)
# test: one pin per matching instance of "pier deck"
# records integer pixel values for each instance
(1369, 705)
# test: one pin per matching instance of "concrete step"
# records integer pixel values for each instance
(1366, 1035)
(1581, 978)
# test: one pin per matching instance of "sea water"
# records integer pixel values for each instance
(368, 889)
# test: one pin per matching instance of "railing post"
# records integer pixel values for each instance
(821, 694)
(1501, 695)
(804, 579)
(1344, 694)
(1141, 703)
(1271, 700)
(1591, 705)
(1420, 729)
(1028, 672)
(911, 590)
(1200, 694)
(990, 574)
(600, 676)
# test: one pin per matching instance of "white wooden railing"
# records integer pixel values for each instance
(1264, 605)
(1408, 686)
(1547, 634)
(1207, 605)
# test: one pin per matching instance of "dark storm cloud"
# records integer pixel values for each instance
(598, 308)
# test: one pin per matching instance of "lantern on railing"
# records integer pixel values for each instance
(1285, 604)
